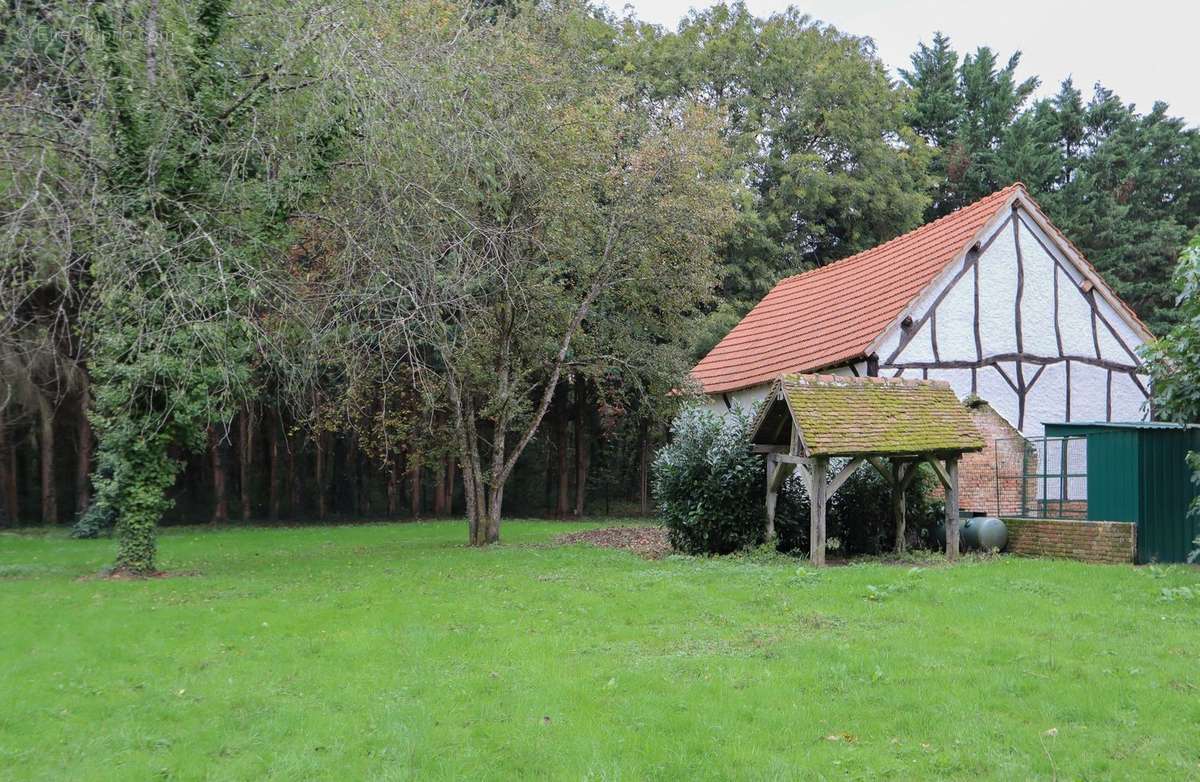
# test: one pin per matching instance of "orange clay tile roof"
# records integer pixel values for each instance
(861, 416)
(828, 316)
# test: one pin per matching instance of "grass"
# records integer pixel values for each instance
(393, 652)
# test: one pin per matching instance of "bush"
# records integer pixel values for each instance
(711, 495)
(859, 518)
(709, 486)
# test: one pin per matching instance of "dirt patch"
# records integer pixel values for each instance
(125, 575)
(648, 542)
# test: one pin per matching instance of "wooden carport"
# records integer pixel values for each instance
(807, 420)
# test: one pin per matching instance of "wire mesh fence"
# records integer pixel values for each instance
(1042, 477)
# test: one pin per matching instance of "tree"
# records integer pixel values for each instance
(179, 139)
(967, 115)
(1174, 361)
(505, 195)
(1122, 185)
(818, 133)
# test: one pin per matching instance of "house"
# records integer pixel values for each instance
(992, 299)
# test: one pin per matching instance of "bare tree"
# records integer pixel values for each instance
(505, 194)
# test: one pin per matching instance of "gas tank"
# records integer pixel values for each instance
(984, 533)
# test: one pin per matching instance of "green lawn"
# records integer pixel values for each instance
(391, 651)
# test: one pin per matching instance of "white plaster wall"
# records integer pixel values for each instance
(998, 393)
(959, 379)
(745, 398)
(956, 322)
(1037, 297)
(1074, 319)
(920, 348)
(997, 310)
(1089, 392)
(1047, 400)
(1128, 403)
(1111, 348)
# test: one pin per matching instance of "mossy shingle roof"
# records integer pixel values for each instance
(852, 416)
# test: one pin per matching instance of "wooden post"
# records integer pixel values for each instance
(898, 509)
(952, 509)
(772, 461)
(816, 502)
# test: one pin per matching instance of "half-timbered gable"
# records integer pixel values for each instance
(992, 299)
(1022, 323)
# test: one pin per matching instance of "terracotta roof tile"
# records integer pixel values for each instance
(828, 316)
(852, 416)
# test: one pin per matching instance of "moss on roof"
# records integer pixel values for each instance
(850, 416)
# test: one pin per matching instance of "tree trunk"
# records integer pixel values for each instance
(295, 490)
(46, 448)
(83, 466)
(216, 453)
(414, 489)
(562, 445)
(246, 458)
(439, 487)
(644, 468)
(319, 470)
(582, 447)
(350, 479)
(8, 474)
(365, 470)
(393, 487)
(276, 467)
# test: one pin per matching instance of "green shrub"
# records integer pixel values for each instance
(859, 518)
(710, 489)
(709, 486)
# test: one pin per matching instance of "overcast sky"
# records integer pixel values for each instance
(1144, 50)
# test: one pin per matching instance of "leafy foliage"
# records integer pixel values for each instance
(816, 129)
(1174, 361)
(708, 485)
(860, 514)
(525, 217)
(1123, 186)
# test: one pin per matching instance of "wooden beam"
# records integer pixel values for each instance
(952, 509)
(805, 472)
(841, 477)
(881, 468)
(780, 473)
(817, 503)
(899, 484)
(772, 496)
(942, 474)
(768, 449)
(909, 476)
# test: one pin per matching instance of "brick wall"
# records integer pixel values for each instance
(1088, 541)
(992, 481)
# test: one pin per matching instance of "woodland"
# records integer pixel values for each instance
(293, 261)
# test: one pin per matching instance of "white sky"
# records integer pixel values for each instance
(1144, 50)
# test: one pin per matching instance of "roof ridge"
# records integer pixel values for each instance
(1018, 185)
(823, 378)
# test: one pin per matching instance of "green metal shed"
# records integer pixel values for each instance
(1138, 471)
